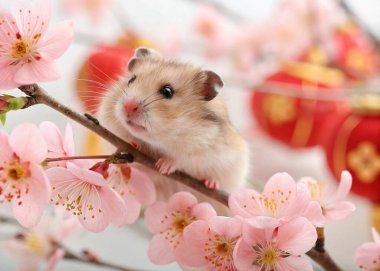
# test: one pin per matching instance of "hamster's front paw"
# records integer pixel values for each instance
(210, 184)
(165, 166)
(136, 145)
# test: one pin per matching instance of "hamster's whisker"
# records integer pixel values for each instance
(93, 81)
(114, 81)
(144, 100)
(152, 102)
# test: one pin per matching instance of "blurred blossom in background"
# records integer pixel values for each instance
(301, 83)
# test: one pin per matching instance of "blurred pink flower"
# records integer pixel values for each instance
(329, 198)
(367, 256)
(135, 187)
(95, 8)
(168, 222)
(23, 182)
(281, 199)
(27, 50)
(266, 245)
(211, 243)
(86, 194)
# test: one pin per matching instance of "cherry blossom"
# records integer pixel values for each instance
(268, 246)
(27, 49)
(22, 180)
(329, 198)
(168, 222)
(367, 256)
(281, 199)
(134, 186)
(211, 243)
(86, 194)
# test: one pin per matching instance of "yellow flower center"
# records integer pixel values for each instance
(16, 172)
(34, 243)
(20, 49)
(181, 223)
(223, 248)
(268, 256)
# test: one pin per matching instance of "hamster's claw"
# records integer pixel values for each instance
(165, 166)
(136, 146)
(210, 184)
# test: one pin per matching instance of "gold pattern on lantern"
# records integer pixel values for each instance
(279, 109)
(356, 59)
(364, 160)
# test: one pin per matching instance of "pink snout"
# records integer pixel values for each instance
(131, 106)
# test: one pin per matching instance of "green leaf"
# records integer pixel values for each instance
(3, 118)
(16, 103)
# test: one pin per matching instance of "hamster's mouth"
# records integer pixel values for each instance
(136, 127)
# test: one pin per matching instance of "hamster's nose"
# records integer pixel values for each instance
(131, 106)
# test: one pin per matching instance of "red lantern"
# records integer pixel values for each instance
(355, 54)
(296, 121)
(354, 144)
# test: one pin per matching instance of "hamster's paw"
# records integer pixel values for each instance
(210, 184)
(165, 166)
(136, 146)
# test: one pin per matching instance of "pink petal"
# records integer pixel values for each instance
(142, 186)
(244, 256)
(52, 136)
(181, 201)
(28, 143)
(154, 217)
(376, 236)
(294, 263)
(37, 71)
(86, 175)
(29, 213)
(297, 236)
(339, 210)
(241, 203)
(226, 226)
(7, 77)
(282, 182)
(54, 259)
(8, 27)
(6, 152)
(367, 256)
(259, 230)
(343, 188)
(300, 203)
(40, 188)
(314, 213)
(59, 175)
(133, 208)
(114, 206)
(160, 251)
(97, 224)
(68, 143)
(203, 211)
(54, 43)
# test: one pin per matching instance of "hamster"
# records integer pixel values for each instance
(172, 112)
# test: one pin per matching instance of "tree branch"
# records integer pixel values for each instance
(323, 259)
(39, 96)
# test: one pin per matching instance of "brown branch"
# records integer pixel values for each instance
(39, 96)
(323, 259)
(57, 159)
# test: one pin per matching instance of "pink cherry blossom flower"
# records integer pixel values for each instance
(367, 256)
(95, 8)
(268, 246)
(23, 182)
(27, 49)
(134, 186)
(329, 198)
(86, 194)
(168, 222)
(58, 146)
(211, 243)
(281, 199)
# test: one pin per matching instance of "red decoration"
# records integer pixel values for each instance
(353, 143)
(296, 121)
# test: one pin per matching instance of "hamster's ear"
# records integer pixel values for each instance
(140, 53)
(211, 83)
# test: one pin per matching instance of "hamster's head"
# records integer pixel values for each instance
(161, 97)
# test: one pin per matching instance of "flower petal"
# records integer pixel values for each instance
(142, 186)
(29, 213)
(314, 213)
(226, 226)
(52, 136)
(297, 236)
(259, 230)
(339, 210)
(114, 206)
(37, 71)
(294, 263)
(203, 211)
(55, 258)
(154, 217)
(367, 256)
(7, 77)
(242, 203)
(343, 188)
(54, 43)
(133, 208)
(86, 175)
(28, 143)
(40, 188)
(281, 185)
(6, 152)
(244, 256)
(375, 236)
(160, 251)
(181, 201)
(68, 142)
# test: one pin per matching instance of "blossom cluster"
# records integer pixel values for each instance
(268, 230)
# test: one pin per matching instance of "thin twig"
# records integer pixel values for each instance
(57, 159)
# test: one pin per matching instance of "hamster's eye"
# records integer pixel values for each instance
(167, 91)
(132, 80)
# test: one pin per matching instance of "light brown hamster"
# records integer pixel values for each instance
(173, 112)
